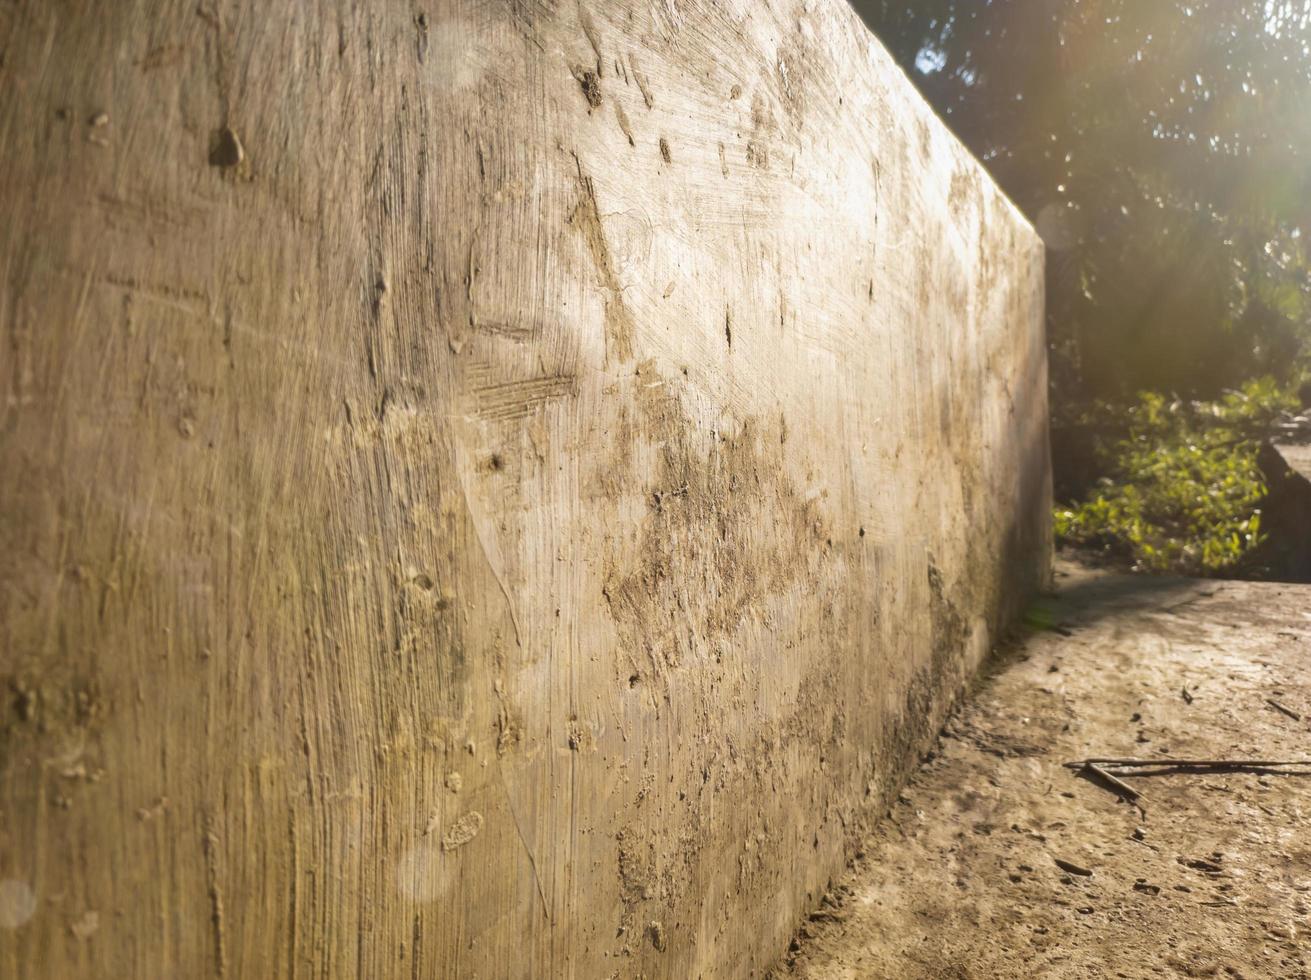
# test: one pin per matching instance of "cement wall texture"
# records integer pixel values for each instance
(495, 489)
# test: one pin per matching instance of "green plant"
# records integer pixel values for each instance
(1186, 489)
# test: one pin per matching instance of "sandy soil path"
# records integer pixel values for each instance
(1211, 878)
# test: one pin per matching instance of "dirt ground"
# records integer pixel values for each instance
(1212, 878)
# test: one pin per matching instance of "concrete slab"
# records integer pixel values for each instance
(1297, 456)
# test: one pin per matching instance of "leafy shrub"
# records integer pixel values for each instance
(1185, 488)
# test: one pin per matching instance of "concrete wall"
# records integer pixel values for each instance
(1285, 552)
(490, 489)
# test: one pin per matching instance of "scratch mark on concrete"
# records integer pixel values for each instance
(215, 896)
(643, 83)
(532, 861)
(589, 28)
(623, 123)
(586, 217)
(515, 399)
(487, 557)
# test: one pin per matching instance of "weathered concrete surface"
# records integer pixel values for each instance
(1297, 456)
(487, 489)
(1212, 879)
(1286, 511)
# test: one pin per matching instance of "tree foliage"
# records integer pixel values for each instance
(1185, 489)
(1163, 150)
